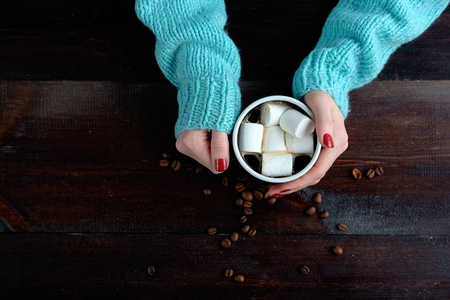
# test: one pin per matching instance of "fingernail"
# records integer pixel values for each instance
(328, 140)
(220, 165)
(285, 191)
(277, 195)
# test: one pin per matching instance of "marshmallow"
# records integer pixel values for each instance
(277, 165)
(271, 113)
(303, 145)
(273, 139)
(297, 124)
(250, 137)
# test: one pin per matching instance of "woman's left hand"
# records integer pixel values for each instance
(332, 135)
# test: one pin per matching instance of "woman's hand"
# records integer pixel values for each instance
(209, 148)
(332, 135)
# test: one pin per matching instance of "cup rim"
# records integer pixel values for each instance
(236, 147)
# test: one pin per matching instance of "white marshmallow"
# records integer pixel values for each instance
(303, 145)
(276, 165)
(271, 113)
(273, 139)
(250, 137)
(297, 124)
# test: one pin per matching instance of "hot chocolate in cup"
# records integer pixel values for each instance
(272, 151)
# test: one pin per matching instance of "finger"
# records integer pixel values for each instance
(319, 102)
(196, 144)
(220, 153)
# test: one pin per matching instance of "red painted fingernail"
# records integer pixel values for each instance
(277, 195)
(328, 140)
(285, 191)
(220, 165)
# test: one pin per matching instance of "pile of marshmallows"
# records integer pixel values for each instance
(281, 134)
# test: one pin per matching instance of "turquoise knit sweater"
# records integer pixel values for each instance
(196, 55)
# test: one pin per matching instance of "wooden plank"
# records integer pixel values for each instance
(192, 266)
(104, 40)
(84, 157)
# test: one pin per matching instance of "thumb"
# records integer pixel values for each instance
(320, 106)
(220, 153)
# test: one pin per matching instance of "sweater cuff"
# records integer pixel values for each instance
(208, 103)
(317, 73)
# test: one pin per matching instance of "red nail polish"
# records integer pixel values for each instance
(285, 191)
(328, 140)
(277, 195)
(220, 165)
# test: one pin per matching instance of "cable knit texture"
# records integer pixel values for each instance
(357, 40)
(198, 57)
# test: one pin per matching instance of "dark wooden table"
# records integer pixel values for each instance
(85, 207)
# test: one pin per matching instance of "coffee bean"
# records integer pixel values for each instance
(247, 204)
(164, 163)
(234, 237)
(151, 270)
(189, 167)
(226, 243)
(370, 173)
(228, 273)
(247, 195)
(243, 219)
(224, 181)
(167, 155)
(317, 198)
(176, 165)
(243, 177)
(246, 228)
(262, 188)
(338, 250)
(357, 173)
(212, 230)
(239, 201)
(207, 192)
(272, 200)
(239, 278)
(305, 270)
(342, 227)
(379, 171)
(199, 169)
(258, 195)
(324, 215)
(252, 231)
(248, 211)
(310, 210)
(239, 187)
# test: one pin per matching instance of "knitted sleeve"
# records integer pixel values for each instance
(198, 57)
(357, 40)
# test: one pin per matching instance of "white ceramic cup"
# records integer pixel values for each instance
(235, 138)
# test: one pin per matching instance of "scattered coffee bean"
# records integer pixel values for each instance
(229, 273)
(243, 219)
(357, 173)
(338, 250)
(246, 228)
(198, 169)
(342, 227)
(252, 231)
(226, 243)
(224, 181)
(258, 195)
(151, 270)
(164, 163)
(240, 187)
(207, 192)
(248, 211)
(310, 210)
(305, 270)
(239, 278)
(234, 237)
(370, 173)
(324, 215)
(379, 171)
(247, 195)
(247, 204)
(239, 201)
(189, 167)
(176, 165)
(262, 188)
(317, 198)
(243, 177)
(212, 230)
(272, 200)
(167, 155)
